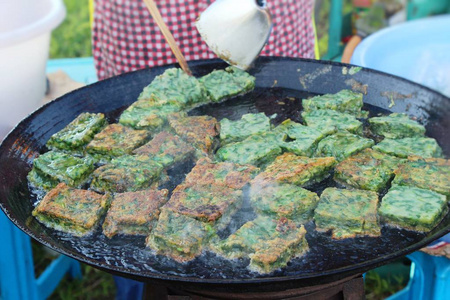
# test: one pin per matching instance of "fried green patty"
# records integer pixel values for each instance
(322, 118)
(222, 84)
(254, 150)
(207, 172)
(367, 170)
(396, 126)
(178, 236)
(78, 133)
(170, 92)
(201, 132)
(283, 200)
(427, 173)
(116, 140)
(127, 173)
(299, 170)
(270, 243)
(53, 167)
(276, 252)
(71, 210)
(413, 208)
(347, 213)
(302, 140)
(212, 204)
(249, 124)
(418, 146)
(175, 87)
(167, 149)
(148, 115)
(342, 145)
(345, 101)
(133, 213)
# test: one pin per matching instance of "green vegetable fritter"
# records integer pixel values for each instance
(53, 167)
(342, 145)
(39, 180)
(133, 213)
(427, 173)
(302, 140)
(323, 118)
(345, 101)
(212, 204)
(148, 115)
(254, 150)
(249, 124)
(424, 147)
(231, 175)
(116, 140)
(367, 170)
(201, 132)
(71, 210)
(276, 252)
(175, 87)
(167, 149)
(299, 170)
(347, 213)
(396, 126)
(178, 236)
(126, 173)
(269, 243)
(222, 84)
(413, 208)
(283, 200)
(78, 133)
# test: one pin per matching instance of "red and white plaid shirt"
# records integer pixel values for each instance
(125, 37)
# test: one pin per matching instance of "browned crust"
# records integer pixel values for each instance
(104, 140)
(200, 131)
(211, 204)
(70, 207)
(237, 176)
(134, 208)
(172, 145)
(288, 167)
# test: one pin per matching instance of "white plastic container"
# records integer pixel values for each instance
(25, 28)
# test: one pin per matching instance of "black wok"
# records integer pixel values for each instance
(280, 83)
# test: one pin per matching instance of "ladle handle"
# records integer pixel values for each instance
(153, 9)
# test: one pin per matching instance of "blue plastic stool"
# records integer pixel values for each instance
(128, 289)
(17, 279)
(429, 278)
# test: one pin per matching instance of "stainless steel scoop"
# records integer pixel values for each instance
(236, 30)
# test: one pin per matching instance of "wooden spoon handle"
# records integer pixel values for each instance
(153, 9)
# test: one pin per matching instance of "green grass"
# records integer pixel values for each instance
(384, 281)
(73, 37)
(378, 288)
(94, 284)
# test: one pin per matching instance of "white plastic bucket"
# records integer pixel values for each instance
(25, 28)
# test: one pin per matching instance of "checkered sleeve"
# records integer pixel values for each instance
(125, 37)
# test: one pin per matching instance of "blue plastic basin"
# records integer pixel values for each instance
(417, 50)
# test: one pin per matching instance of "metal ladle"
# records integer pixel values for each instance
(236, 30)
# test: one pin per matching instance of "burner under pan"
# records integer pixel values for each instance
(351, 288)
